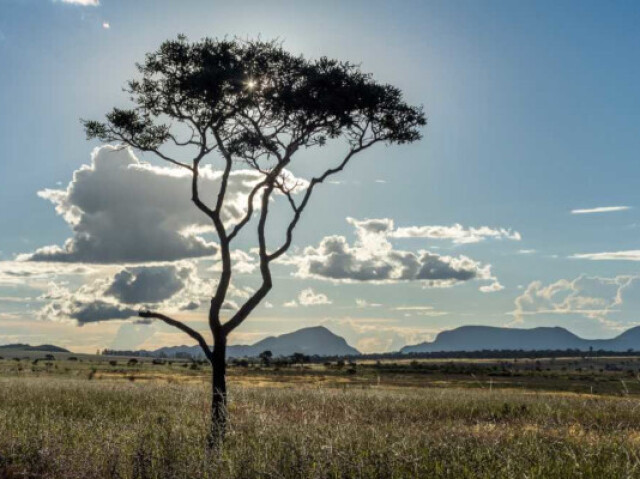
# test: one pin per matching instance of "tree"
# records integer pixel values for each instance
(250, 104)
(266, 356)
(299, 358)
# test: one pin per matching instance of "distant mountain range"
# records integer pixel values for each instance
(478, 338)
(319, 341)
(310, 341)
(49, 348)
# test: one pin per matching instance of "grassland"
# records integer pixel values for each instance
(491, 419)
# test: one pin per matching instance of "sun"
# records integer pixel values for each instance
(251, 84)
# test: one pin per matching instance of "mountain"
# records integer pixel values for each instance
(312, 341)
(49, 348)
(478, 338)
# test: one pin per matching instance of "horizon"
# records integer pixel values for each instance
(521, 198)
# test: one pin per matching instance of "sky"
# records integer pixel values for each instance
(521, 199)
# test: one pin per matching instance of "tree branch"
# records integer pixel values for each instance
(182, 327)
(305, 200)
(265, 271)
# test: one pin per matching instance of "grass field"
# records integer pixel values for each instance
(92, 419)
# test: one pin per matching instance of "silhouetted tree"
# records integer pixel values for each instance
(266, 356)
(299, 358)
(250, 104)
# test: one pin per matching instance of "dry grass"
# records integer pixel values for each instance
(68, 427)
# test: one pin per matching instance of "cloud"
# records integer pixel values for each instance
(147, 284)
(124, 211)
(457, 233)
(599, 209)
(586, 296)
(630, 255)
(491, 288)
(26, 274)
(84, 3)
(308, 297)
(370, 335)
(85, 305)
(169, 287)
(372, 258)
(420, 311)
(363, 303)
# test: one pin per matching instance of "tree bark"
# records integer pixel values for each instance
(219, 392)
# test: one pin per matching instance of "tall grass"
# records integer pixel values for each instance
(72, 428)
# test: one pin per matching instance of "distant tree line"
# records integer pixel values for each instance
(267, 357)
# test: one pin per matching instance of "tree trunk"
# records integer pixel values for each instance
(219, 389)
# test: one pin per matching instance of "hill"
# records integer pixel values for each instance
(314, 341)
(48, 348)
(478, 338)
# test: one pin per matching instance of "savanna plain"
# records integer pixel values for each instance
(108, 417)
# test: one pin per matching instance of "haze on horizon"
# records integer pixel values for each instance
(522, 197)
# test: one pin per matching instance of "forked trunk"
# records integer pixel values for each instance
(219, 390)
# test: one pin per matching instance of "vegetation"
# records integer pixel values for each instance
(89, 419)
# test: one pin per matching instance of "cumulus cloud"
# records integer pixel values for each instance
(372, 258)
(85, 305)
(630, 255)
(168, 287)
(592, 297)
(308, 297)
(122, 210)
(599, 209)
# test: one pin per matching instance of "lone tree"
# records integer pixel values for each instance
(250, 104)
(266, 356)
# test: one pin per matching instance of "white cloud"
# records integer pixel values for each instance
(84, 3)
(587, 296)
(363, 303)
(631, 255)
(420, 311)
(456, 232)
(29, 274)
(599, 209)
(308, 297)
(372, 258)
(491, 288)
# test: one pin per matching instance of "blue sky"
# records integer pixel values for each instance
(533, 109)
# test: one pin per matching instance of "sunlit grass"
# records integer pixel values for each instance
(74, 427)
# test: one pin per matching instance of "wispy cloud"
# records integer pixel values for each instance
(630, 255)
(591, 297)
(84, 3)
(599, 209)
